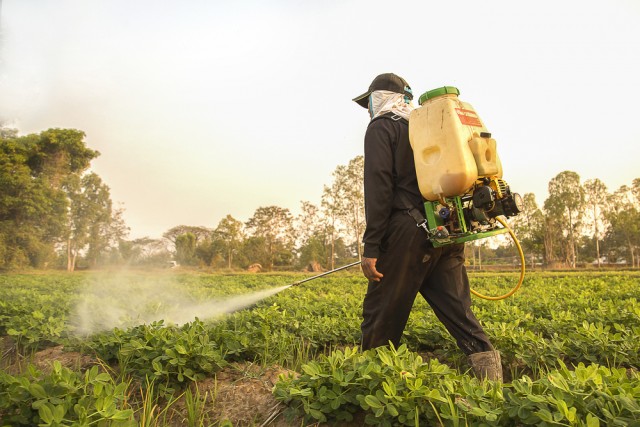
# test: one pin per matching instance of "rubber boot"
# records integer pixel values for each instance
(487, 365)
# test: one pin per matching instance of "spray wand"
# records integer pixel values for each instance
(326, 273)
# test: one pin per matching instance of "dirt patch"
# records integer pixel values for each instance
(243, 396)
(240, 394)
(43, 360)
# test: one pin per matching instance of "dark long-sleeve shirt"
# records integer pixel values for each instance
(389, 170)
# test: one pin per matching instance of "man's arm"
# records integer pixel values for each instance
(378, 189)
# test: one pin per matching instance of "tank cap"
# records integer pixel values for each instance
(445, 90)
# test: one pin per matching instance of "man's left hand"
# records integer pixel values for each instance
(369, 269)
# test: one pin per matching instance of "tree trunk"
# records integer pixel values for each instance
(548, 245)
(332, 261)
(356, 207)
(473, 256)
(572, 256)
(69, 256)
(595, 223)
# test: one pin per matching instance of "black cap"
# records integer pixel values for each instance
(387, 81)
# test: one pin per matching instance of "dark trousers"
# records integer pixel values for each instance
(411, 266)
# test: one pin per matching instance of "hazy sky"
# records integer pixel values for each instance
(206, 108)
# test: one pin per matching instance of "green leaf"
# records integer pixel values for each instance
(317, 415)
(58, 413)
(103, 377)
(385, 358)
(392, 410)
(536, 399)
(435, 395)
(122, 415)
(46, 414)
(372, 401)
(311, 369)
(37, 391)
(592, 421)
(390, 389)
(545, 415)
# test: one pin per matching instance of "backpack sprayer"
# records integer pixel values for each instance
(459, 175)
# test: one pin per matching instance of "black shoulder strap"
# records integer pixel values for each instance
(390, 115)
(414, 213)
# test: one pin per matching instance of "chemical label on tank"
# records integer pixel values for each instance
(468, 117)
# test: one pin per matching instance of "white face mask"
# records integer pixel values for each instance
(384, 101)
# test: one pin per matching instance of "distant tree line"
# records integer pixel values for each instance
(55, 213)
(52, 210)
(582, 223)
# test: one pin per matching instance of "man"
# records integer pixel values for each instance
(399, 260)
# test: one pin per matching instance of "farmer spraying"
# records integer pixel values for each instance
(399, 261)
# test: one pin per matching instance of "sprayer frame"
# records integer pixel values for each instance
(434, 221)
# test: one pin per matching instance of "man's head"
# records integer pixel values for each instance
(387, 81)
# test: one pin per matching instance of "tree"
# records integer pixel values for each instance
(208, 252)
(144, 251)
(57, 153)
(186, 248)
(564, 205)
(33, 204)
(347, 195)
(92, 223)
(199, 233)
(311, 232)
(31, 213)
(596, 198)
(529, 228)
(272, 227)
(330, 209)
(7, 133)
(229, 235)
(118, 231)
(635, 189)
(624, 223)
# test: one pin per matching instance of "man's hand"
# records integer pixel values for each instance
(369, 269)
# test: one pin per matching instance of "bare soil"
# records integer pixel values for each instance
(240, 394)
(14, 363)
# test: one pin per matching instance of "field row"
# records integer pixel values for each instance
(562, 335)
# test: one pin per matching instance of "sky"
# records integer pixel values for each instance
(206, 108)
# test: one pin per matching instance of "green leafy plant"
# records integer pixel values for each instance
(392, 386)
(168, 355)
(63, 398)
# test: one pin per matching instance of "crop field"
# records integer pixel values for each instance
(188, 349)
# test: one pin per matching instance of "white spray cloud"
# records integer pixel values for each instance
(123, 301)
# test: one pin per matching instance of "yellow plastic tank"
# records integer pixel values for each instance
(451, 146)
